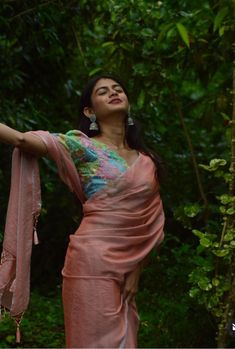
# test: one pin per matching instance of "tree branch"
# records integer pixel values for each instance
(30, 10)
(79, 45)
(191, 148)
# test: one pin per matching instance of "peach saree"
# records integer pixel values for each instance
(122, 223)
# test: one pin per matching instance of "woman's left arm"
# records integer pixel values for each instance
(132, 281)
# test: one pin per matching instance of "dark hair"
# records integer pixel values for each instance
(133, 134)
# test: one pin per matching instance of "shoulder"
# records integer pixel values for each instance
(74, 136)
(75, 141)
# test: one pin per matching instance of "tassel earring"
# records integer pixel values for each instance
(130, 121)
(93, 125)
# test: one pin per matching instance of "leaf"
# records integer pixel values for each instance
(229, 236)
(205, 242)
(215, 282)
(219, 18)
(225, 199)
(183, 33)
(126, 46)
(164, 29)
(222, 209)
(107, 43)
(94, 71)
(230, 211)
(221, 253)
(205, 284)
(194, 292)
(225, 116)
(192, 210)
(214, 164)
(232, 244)
(221, 31)
(147, 32)
(198, 233)
(141, 99)
(217, 162)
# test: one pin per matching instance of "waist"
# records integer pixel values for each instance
(114, 223)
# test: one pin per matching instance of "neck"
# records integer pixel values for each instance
(113, 133)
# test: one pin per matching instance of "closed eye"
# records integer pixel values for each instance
(102, 90)
(118, 89)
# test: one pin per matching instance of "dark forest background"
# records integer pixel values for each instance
(176, 58)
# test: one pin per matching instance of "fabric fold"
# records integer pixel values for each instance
(22, 214)
(23, 209)
(122, 223)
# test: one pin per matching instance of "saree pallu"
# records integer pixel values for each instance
(22, 213)
(121, 224)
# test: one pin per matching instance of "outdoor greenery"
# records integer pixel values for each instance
(177, 60)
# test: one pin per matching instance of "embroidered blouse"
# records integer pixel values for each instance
(96, 163)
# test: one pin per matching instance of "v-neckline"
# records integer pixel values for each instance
(116, 153)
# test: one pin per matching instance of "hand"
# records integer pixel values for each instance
(131, 285)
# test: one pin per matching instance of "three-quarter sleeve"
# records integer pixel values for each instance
(77, 143)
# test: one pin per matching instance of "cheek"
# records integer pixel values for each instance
(126, 100)
(99, 104)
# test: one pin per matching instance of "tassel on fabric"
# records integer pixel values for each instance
(18, 319)
(35, 235)
(18, 335)
(3, 257)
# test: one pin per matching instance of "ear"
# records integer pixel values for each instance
(88, 111)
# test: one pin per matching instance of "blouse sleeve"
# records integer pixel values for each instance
(77, 143)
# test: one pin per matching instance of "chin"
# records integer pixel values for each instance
(118, 108)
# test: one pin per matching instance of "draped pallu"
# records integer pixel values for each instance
(122, 223)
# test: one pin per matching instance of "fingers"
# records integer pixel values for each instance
(130, 285)
(129, 295)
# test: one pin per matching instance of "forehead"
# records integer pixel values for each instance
(105, 82)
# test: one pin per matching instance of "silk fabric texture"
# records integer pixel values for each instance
(122, 223)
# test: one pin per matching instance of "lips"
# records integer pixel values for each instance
(115, 101)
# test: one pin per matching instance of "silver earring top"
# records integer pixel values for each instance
(93, 125)
(93, 118)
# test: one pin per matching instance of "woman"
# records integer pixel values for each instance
(115, 177)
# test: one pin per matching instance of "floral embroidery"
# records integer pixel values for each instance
(97, 165)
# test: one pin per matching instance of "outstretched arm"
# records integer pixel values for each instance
(25, 141)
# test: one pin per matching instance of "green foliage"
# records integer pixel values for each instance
(176, 60)
(212, 277)
(44, 313)
(183, 33)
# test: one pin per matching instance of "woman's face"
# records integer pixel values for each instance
(108, 97)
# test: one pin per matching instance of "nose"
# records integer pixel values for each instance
(113, 93)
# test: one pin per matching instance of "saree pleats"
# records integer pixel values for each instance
(98, 320)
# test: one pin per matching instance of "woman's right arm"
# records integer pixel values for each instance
(25, 141)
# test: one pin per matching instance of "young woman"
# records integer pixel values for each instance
(115, 177)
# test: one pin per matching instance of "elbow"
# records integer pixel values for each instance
(19, 140)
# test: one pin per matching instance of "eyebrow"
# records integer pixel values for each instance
(106, 87)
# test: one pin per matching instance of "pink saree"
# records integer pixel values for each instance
(122, 223)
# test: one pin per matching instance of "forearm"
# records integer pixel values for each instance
(25, 141)
(10, 136)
